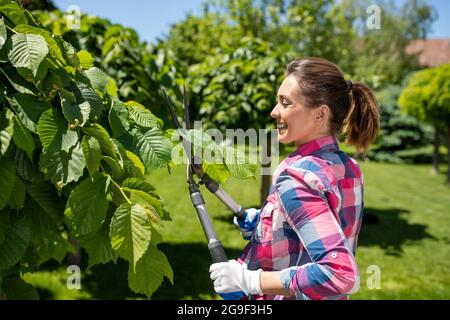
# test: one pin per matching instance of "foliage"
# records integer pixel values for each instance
(72, 160)
(427, 96)
(140, 70)
(403, 137)
(236, 88)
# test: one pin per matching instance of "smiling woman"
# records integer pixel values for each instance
(304, 242)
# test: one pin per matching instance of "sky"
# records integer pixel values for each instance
(152, 18)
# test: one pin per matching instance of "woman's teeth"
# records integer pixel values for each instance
(281, 126)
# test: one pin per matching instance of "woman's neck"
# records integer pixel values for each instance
(315, 137)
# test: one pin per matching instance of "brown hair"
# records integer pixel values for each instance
(353, 105)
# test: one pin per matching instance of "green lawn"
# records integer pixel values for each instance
(410, 243)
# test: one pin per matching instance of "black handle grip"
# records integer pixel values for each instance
(241, 214)
(217, 252)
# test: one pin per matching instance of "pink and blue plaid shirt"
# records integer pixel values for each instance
(309, 224)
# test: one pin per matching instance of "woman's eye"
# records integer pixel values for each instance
(285, 103)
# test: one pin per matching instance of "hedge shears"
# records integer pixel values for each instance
(194, 169)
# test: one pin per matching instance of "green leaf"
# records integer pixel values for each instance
(86, 60)
(29, 109)
(155, 149)
(69, 52)
(92, 153)
(4, 223)
(151, 204)
(216, 171)
(149, 272)
(45, 234)
(7, 181)
(54, 49)
(134, 167)
(100, 133)
(14, 13)
(61, 167)
(130, 232)
(142, 116)
(98, 247)
(5, 138)
(15, 243)
(17, 81)
(3, 34)
(118, 118)
(17, 289)
(98, 79)
(18, 195)
(140, 184)
(111, 88)
(235, 161)
(86, 93)
(45, 196)
(75, 113)
(88, 204)
(50, 128)
(145, 194)
(107, 47)
(23, 138)
(28, 51)
(114, 165)
(54, 133)
(27, 169)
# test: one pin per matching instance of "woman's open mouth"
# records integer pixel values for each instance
(281, 127)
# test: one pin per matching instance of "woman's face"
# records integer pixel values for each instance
(295, 122)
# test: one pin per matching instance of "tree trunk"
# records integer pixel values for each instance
(266, 179)
(437, 143)
(448, 154)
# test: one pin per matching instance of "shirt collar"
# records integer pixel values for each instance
(327, 143)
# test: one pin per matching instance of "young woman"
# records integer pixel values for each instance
(304, 243)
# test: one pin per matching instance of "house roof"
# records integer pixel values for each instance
(432, 52)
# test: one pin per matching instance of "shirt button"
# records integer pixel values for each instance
(334, 255)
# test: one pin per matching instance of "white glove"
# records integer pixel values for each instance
(232, 276)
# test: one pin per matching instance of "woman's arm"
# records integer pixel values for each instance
(332, 272)
(271, 284)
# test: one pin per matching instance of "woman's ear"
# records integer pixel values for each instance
(321, 113)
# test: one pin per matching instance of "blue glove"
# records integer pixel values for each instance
(232, 295)
(248, 224)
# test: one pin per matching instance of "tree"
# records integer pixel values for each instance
(141, 70)
(403, 138)
(72, 161)
(427, 97)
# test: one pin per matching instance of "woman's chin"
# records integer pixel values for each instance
(283, 138)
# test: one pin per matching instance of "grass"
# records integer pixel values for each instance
(408, 239)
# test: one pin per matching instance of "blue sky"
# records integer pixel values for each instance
(152, 18)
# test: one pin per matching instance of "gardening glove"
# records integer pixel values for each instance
(248, 224)
(233, 280)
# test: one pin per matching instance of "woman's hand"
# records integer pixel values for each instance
(248, 224)
(233, 280)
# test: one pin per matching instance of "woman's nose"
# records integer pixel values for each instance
(275, 114)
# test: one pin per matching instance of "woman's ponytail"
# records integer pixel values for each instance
(362, 124)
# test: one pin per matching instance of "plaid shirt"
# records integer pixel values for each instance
(309, 224)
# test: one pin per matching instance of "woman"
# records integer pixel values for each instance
(304, 243)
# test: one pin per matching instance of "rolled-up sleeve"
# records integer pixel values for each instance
(332, 271)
